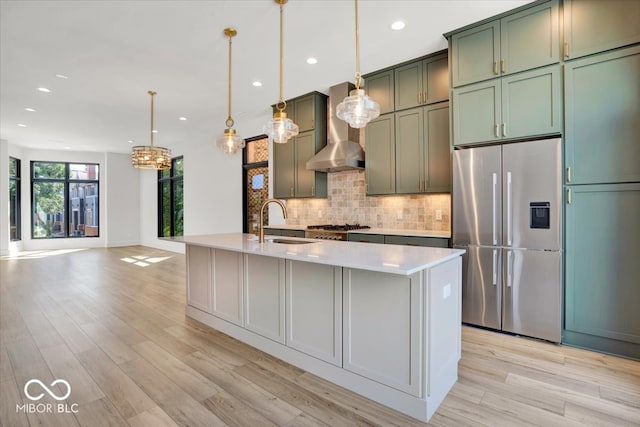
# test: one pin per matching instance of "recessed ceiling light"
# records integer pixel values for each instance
(62, 76)
(182, 118)
(22, 125)
(154, 131)
(257, 83)
(44, 89)
(398, 25)
(33, 110)
(67, 148)
(131, 141)
(312, 61)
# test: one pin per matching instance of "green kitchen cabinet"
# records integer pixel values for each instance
(602, 118)
(380, 166)
(595, 26)
(520, 105)
(519, 41)
(292, 179)
(423, 161)
(422, 82)
(379, 87)
(432, 242)
(602, 295)
(366, 237)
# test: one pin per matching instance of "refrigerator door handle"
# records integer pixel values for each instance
(495, 267)
(495, 186)
(509, 269)
(509, 209)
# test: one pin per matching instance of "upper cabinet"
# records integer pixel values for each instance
(291, 176)
(379, 87)
(521, 41)
(595, 26)
(422, 82)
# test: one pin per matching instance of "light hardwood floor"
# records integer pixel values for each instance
(111, 322)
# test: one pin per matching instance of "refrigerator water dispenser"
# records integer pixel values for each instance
(539, 213)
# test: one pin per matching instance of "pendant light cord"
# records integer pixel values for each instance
(229, 122)
(358, 77)
(152, 93)
(281, 101)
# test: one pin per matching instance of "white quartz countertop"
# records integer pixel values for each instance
(396, 259)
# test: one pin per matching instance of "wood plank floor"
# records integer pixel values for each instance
(111, 322)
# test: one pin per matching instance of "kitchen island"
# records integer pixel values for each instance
(383, 321)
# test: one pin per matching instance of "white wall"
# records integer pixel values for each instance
(121, 198)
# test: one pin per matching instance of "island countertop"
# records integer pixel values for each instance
(395, 259)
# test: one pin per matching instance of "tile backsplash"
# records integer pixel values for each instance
(347, 202)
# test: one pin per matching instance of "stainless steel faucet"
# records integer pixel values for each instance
(264, 205)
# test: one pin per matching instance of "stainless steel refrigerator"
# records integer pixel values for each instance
(507, 214)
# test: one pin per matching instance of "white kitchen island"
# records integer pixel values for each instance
(381, 320)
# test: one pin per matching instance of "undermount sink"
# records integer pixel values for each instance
(291, 242)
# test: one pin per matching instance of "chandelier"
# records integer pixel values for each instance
(229, 141)
(150, 156)
(281, 128)
(358, 109)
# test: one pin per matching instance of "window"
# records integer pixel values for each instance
(256, 181)
(15, 232)
(170, 200)
(64, 200)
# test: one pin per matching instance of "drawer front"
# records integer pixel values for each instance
(366, 238)
(435, 242)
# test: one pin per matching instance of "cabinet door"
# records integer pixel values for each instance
(380, 155)
(602, 292)
(476, 113)
(304, 113)
(314, 310)
(264, 296)
(529, 38)
(409, 151)
(198, 277)
(304, 178)
(475, 54)
(435, 79)
(380, 88)
(531, 103)
(226, 284)
(283, 170)
(379, 340)
(602, 107)
(408, 85)
(596, 26)
(437, 174)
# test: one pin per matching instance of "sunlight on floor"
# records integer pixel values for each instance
(144, 260)
(40, 254)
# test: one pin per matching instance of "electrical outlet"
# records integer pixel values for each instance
(399, 214)
(446, 291)
(319, 213)
(295, 213)
(438, 214)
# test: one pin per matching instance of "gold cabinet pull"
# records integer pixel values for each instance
(291, 191)
(503, 65)
(424, 97)
(497, 130)
(419, 97)
(495, 67)
(568, 196)
(504, 129)
(313, 190)
(566, 50)
(569, 174)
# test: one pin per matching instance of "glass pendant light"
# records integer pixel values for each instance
(229, 141)
(150, 156)
(281, 128)
(358, 109)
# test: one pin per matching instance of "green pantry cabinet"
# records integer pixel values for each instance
(601, 68)
(408, 147)
(291, 176)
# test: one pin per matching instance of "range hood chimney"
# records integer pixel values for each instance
(343, 151)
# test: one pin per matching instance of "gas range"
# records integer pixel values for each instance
(332, 231)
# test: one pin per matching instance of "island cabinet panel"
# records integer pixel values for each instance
(602, 106)
(227, 285)
(595, 26)
(314, 310)
(199, 277)
(264, 296)
(383, 328)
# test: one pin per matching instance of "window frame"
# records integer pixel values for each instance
(172, 180)
(66, 181)
(17, 178)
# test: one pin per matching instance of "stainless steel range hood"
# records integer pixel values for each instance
(343, 151)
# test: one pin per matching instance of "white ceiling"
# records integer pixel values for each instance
(113, 52)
